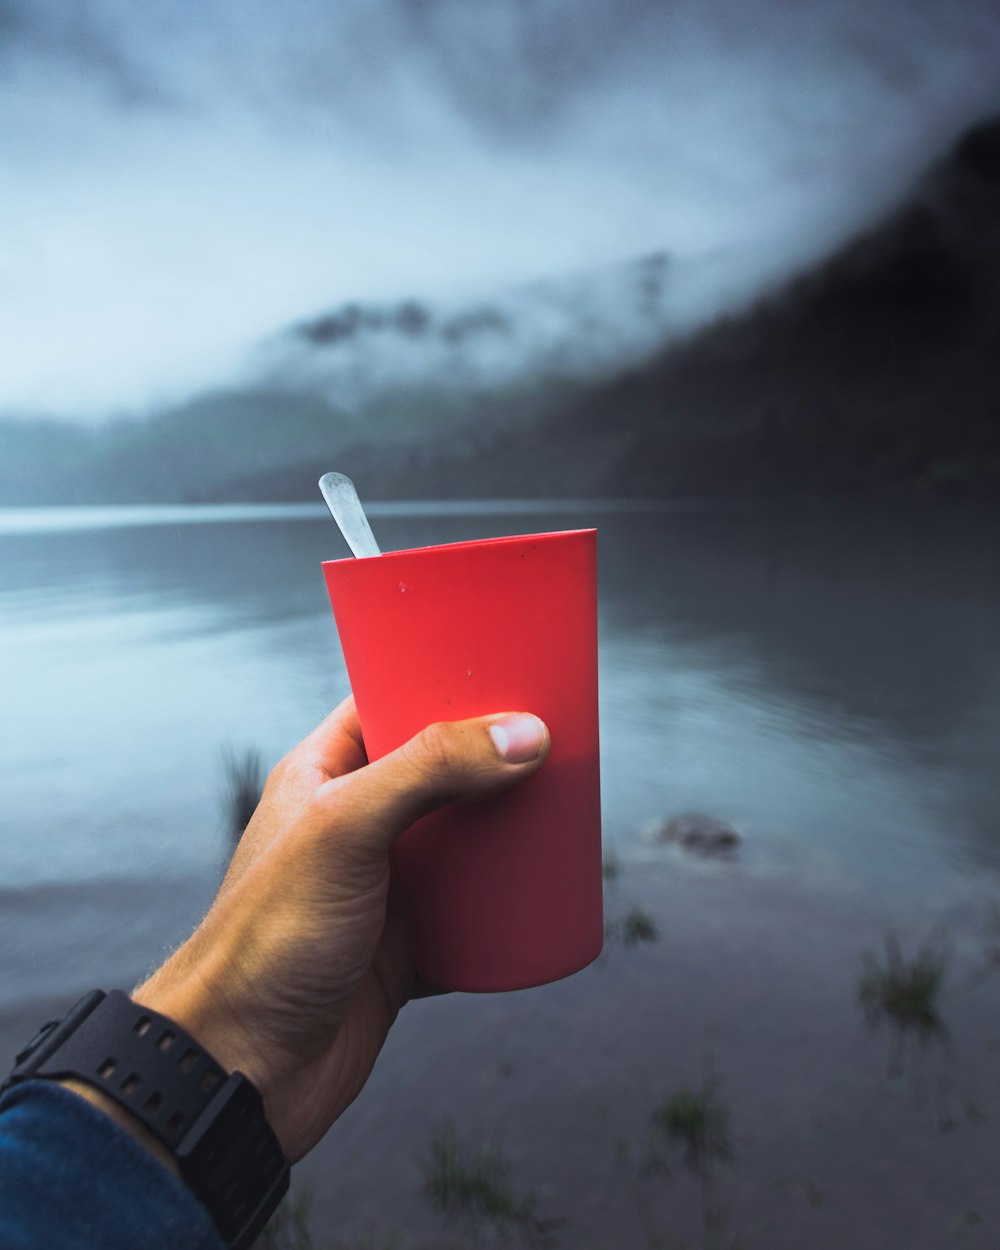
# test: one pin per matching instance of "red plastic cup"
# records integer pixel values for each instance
(504, 893)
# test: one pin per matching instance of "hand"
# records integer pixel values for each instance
(296, 974)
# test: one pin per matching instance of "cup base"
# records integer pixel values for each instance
(497, 983)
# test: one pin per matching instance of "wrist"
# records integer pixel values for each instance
(144, 1071)
(194, 1001)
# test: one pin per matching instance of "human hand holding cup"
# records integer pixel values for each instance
(504, 893)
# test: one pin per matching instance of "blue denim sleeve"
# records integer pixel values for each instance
(71, 1177)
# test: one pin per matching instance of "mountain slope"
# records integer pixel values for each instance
(879, 370)
(881, 367)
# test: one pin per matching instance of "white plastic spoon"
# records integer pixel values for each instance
(343, 502)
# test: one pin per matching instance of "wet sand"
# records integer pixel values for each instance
(751, 979)
(748, 978)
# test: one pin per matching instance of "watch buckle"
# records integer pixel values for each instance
(35, 1042)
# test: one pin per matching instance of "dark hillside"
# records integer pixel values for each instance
(881, 368)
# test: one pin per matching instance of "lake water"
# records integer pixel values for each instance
(826, 680)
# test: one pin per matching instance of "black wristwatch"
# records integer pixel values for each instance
(212, 1122)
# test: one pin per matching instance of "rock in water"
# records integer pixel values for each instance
(696, 832)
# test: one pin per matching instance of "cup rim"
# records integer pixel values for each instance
(468, 542)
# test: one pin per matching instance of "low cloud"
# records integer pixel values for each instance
(179, 181)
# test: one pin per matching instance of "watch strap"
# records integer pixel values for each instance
(212, 1121)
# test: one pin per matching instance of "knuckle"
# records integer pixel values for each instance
(276, 779)
(281, 769)
(438, 751)
(323, 803)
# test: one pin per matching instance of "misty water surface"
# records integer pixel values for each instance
(828, 681)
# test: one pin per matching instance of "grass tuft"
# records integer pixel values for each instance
(697, 1121)
(288, 1228)
(905, 991)
(638, 926)
(460, 1180)
(611, 868)
(243, 779)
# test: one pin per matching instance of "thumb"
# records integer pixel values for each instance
(450, 761)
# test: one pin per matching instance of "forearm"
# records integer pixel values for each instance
(70, 1177)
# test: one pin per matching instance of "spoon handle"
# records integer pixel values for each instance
(342, 500)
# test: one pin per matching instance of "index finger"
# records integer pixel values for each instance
(335, 746)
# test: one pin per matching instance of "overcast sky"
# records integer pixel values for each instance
(179, 179)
